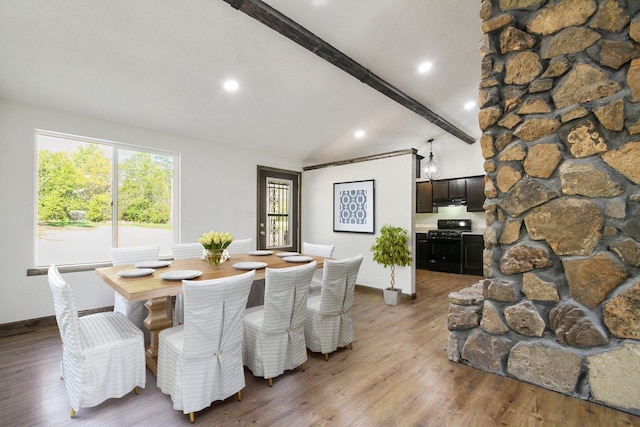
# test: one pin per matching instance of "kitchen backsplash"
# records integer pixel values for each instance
(429, 221)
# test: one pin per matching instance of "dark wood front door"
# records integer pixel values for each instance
(278, 209)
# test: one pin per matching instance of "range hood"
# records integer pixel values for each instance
(450, 202)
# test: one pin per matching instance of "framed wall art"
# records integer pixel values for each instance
(353, 206)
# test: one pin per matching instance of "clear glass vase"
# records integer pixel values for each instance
(215, 256)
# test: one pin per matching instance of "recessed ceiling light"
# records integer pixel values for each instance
(231, 85)
(424, 67)
(359, 134)
(469, 105)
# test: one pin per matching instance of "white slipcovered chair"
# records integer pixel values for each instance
(187, 250)
(325, 251)
(135, 311)
(184, 251)
(201, 361)
(274, 332)
(240, 246)
(328, 320)
(102, 354)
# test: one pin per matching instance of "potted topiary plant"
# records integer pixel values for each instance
(390, 249)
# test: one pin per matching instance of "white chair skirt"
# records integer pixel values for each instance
(106, 371)
(263, 352)
(196, 388)
(325, 333)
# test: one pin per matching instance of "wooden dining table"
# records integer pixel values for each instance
(154, 289)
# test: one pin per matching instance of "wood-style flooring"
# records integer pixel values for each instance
(397, 374)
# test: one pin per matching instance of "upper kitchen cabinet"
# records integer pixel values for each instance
(424, 200)
(449, 189)
(475, 194)
(457, 188)
(467, 191)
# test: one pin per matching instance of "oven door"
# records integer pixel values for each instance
(444, 254)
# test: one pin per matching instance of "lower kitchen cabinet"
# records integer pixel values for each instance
(472, 249)
(422, 250)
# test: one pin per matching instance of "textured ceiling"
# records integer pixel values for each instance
(160, 64)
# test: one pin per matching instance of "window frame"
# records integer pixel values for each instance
(115, 146)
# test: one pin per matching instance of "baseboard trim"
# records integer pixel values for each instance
(22, 326)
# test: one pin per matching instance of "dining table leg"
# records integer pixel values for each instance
(156, 321)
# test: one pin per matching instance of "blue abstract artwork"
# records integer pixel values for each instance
(353, 206)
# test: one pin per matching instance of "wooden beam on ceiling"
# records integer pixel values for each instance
(275, 20)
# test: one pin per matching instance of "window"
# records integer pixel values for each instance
(83, 184)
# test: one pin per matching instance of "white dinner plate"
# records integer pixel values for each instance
(136, 272)
(260, 253)
(249, 265)
(153, 264)
(181, 274)
(298, 258)
(284, 254)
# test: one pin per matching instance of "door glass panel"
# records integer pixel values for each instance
(278, 213)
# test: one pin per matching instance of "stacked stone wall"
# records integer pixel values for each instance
(559, 105)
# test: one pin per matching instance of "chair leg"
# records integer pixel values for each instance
(302, 367)
(270, 382)
(135, 389)
(351, 345)
(192, 417)
(73, 413)
(326, 356)
(240, 395)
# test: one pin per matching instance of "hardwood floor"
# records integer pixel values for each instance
(397, 374)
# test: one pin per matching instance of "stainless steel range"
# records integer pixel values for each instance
(444, 245)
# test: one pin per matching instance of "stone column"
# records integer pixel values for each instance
(560, 115)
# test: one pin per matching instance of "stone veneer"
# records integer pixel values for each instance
(560, 114)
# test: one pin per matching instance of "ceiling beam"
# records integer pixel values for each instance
(275, 20)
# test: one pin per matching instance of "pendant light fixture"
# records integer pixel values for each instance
(431, 169)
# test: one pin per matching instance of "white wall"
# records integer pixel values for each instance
(455, 157)
(218, 192)
(394, 204)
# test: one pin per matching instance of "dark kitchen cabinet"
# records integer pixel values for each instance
(440, 190)
(457, 191)
(424, 200)
(472, 249)
(457, 188)
(422, 251)
(448, 189)
(475, 194)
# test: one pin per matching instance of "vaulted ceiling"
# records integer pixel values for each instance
(161, 64)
